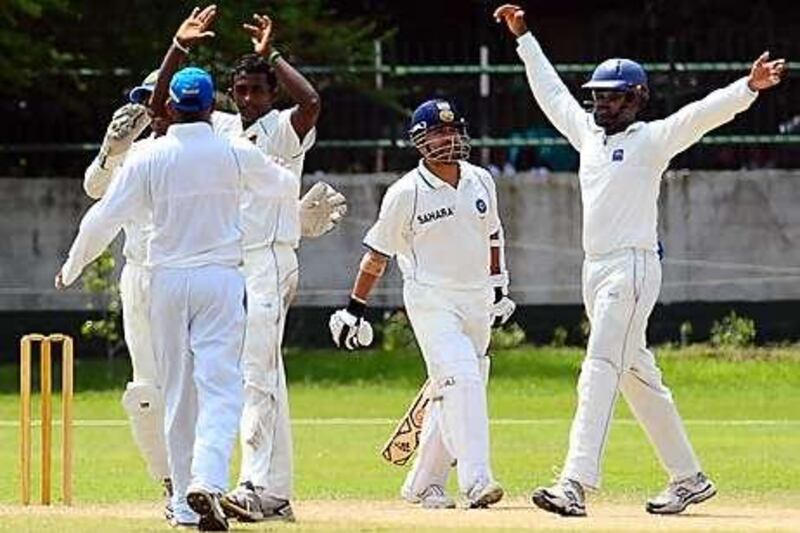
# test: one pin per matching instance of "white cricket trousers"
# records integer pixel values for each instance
(620, 290)
(142, 400)
(265, 431)
(134, 288)
(452, 328)
(197, 318)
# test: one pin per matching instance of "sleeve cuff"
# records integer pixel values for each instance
(377, 249)
(745, 88)
(526, 40)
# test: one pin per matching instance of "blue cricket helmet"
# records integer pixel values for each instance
(617, 74)
(433, 114)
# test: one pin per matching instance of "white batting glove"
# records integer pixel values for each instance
(321, 209)
(350, 331)
(503, 306)
(127, 123)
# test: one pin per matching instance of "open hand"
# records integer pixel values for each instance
(766, 73)
(260, 34)
(513, 16)
(196, 26)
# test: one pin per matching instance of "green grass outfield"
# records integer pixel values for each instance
(742, 412)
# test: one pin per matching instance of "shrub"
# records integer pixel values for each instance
(507, 337)
(396, 332)
(733, 332)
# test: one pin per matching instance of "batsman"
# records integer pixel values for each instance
(622, 160)
(441, 222)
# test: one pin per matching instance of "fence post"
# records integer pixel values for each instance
(485, 91)
(380, 157)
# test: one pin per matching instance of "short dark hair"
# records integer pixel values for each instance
(255, 64)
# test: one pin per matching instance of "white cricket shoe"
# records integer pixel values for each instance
(207, 504)
(680, 494)
(249, 504)
(481, 497)
(565, 497)
(432, 497)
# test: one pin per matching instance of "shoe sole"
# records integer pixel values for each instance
(233, 510)
(698, 497)
(202, 503)
(542, 499)
(490, 498)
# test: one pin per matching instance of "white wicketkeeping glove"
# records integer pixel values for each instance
(503, 306)
(349, 331)
(321, 209)
(127, 123)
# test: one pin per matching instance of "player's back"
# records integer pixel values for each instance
(194, 185)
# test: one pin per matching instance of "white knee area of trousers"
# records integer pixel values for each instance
(144, 404)
(465, 426)
(134, 285)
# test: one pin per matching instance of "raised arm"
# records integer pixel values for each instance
(302, 93)
(195, 28)
(557, 103)
(688, 125)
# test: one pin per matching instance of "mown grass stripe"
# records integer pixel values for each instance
(119, 422)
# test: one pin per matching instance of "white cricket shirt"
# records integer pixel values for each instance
(439, 234)
(191, 180)
(620, 174)
(274, 135)
(96, 182)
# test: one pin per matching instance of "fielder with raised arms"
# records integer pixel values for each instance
(441, 222)
(621, 164)
(189, 183)
(272, 232)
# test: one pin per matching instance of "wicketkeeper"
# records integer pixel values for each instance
(441, 222)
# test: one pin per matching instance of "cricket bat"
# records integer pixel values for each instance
(405, 438)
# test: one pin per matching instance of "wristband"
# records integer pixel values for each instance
(498, 294)
(179, 46)
(273, 57)
(356, 307)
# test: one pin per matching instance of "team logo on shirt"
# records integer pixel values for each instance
(480, 205)
(430, 216)
(618, 154)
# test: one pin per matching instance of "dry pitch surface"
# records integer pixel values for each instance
(370, 515)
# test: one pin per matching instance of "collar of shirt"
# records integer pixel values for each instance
(191, 129)
(435, 182)
(630, 129)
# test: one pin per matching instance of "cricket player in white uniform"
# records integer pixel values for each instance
(271, 268)
(272, 234)
(191, 181)
(441, 222)
(621, 164)
(142, 399)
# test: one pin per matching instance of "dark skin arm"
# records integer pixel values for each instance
(299, 89)
(367, 277)
(191, 31)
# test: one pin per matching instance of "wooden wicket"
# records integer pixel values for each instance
(46, 387)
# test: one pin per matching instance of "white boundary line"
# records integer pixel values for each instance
(120, 422)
